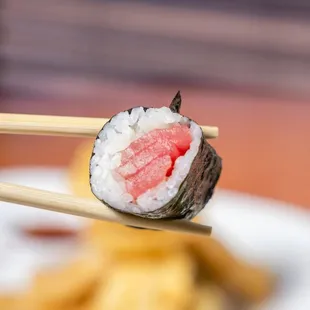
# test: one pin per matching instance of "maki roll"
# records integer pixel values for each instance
(154, 163)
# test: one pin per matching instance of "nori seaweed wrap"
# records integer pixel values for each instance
(154, 163)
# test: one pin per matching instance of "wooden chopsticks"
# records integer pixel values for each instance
(27, 124)
(90, 208)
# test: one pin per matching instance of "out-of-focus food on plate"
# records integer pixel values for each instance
(79, 170)
(120, 267)
(238, 277)
(154, 163)
(209, 297)
(9, 302)
(66, 287)
(149, 283)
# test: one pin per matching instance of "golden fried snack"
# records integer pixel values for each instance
(66, 287)
(249, 282)
(26, 305)
(10, 302)
(79, 170)
(166, 283)
(123, 242)
(209, 297)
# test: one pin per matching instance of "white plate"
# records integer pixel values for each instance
(20, 256)
(262, 231)
(271, 233)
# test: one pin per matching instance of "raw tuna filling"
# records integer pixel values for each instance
(147, 161)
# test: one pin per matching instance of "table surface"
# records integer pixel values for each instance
(264, 141)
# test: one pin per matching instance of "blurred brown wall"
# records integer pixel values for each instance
(139, 40)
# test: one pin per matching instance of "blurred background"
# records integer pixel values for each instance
(243, 66)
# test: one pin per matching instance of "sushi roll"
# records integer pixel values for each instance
(154, 163)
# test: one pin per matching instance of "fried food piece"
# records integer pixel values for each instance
(249, 282)
(66, 287)
(167, 284)
(122, 242)
(10, 302)
(209, 297)
(79, 170)
(25, 305)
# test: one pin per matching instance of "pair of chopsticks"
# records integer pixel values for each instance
(63, 203)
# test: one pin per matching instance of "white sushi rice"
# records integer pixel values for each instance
(116, 136)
